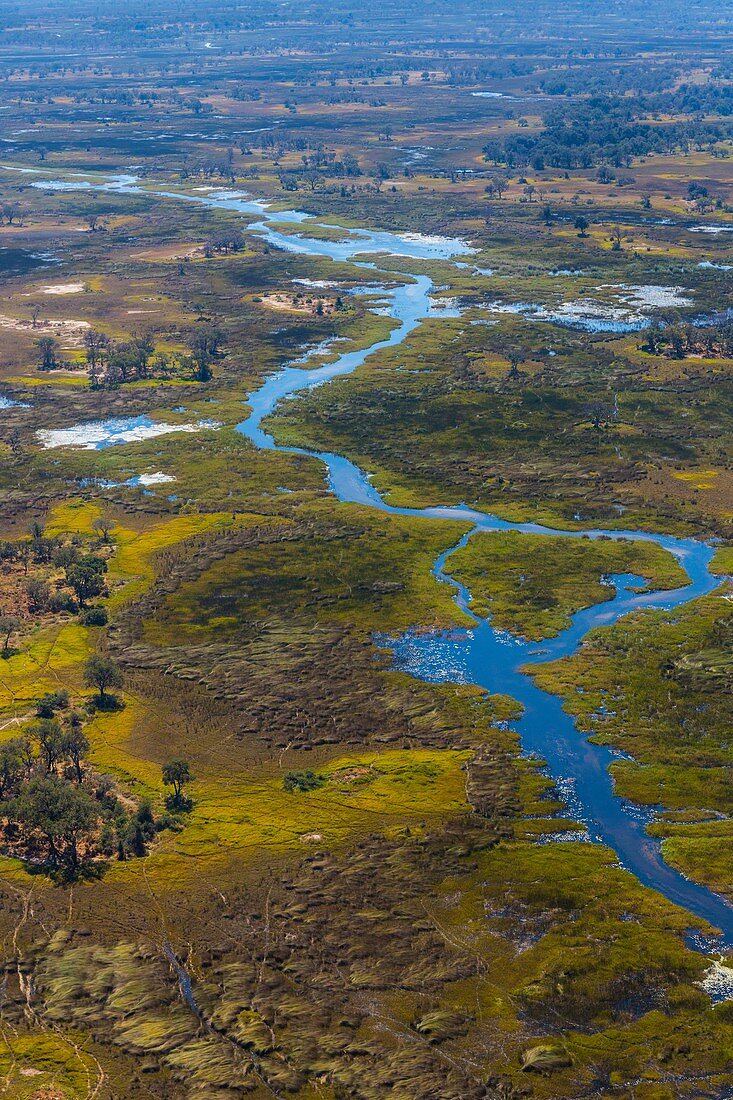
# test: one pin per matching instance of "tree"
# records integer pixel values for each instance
(50, 738)
(97, 346)
(48, 348)
(102, 673)
(12, 765)
(582, 223)
(515, 358)
(204, 344)
(599, 413)
(10, 211)
(176, 774)
(652, 339)
(86, 581)
(9, 624)
(38, 592)
(76, 745)
(102, 525)
(500, 184)
(142, 347)
(64, 814)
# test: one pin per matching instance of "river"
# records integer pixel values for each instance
(481, 655)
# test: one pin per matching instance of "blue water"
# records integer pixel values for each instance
(482, 655)
(9, 403)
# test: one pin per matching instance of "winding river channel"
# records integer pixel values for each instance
(481, 655)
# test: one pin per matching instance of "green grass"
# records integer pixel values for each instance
(532, 584)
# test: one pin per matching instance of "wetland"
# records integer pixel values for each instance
(365, 550)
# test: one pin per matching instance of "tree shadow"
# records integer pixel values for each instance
(108, 703)
(179, 803)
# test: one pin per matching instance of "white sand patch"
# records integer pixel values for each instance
(70, 333)
(63, 288)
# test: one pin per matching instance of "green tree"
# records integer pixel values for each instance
(12, 765)
(62, 813)
(50, 738)
(48, 348)
(176, 774)
(102, 673)
(86, 577)
(9, 624)
(96, 345)
(75, 745)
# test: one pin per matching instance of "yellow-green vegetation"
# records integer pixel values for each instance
(35, 1061)
(244, 818)
(532, 584)
(54, 654)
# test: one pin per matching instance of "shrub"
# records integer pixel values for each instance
(303, 781)
(94, 616)
(62, 601)
(50, 703)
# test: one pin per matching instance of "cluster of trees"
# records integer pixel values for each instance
(701, 199)
(307, 780)
(225, 241)
(54, 810)
(80, 577)
(590, 132)
(677, 341)
(113, 364)
(311, 176)
(711, 98)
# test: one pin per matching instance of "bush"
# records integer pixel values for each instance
(94, 616)
(62, 601)
(303, 781)
(50, 703)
